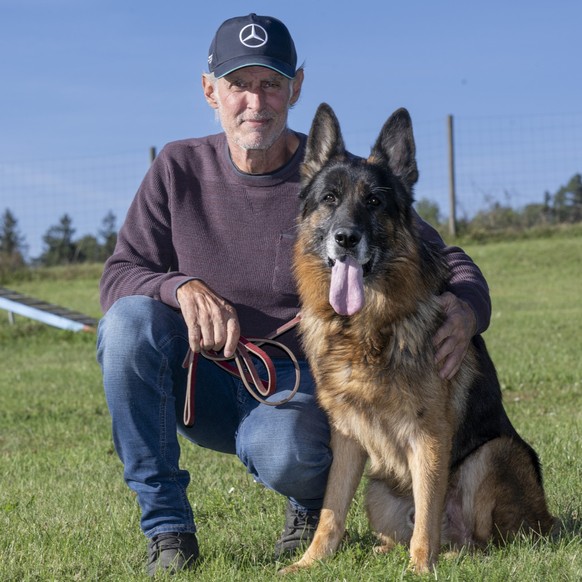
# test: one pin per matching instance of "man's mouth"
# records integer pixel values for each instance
(257, 121)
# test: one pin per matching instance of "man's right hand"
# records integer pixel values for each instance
(212, 321)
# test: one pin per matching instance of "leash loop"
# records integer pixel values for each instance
(244, 369)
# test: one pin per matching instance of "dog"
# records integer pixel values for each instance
(446, 466)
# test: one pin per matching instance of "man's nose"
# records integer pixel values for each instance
(255, 99)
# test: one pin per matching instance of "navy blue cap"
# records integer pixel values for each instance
(250, 40)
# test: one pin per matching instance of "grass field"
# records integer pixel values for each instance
(65, 513)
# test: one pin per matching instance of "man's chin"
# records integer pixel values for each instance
(259, 143)
(258, 140)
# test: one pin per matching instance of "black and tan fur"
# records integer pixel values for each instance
(445, 463)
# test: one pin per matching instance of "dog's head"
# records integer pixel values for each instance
(356, 213)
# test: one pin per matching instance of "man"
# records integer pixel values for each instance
(205, 252)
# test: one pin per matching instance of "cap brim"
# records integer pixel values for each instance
(238, 63)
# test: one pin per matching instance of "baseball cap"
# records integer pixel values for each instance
(250, 40)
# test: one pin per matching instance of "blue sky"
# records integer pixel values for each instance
(90, 78)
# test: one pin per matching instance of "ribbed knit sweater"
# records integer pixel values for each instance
(196, 216)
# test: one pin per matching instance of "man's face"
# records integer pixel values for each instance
(253, 103)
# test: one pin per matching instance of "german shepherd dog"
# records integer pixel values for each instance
(446, 465)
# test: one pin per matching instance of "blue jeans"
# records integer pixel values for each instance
(141, 345)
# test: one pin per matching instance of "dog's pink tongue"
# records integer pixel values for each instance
(346, 293)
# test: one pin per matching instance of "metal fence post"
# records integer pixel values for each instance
(452, 187)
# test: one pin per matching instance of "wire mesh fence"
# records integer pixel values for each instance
(512, 161)
(509, 160)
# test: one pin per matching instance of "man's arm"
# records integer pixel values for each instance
(466, 303)
(144, 261)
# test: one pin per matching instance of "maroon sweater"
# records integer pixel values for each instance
(196, 216)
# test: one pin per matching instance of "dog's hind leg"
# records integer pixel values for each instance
(503, 492)
(391, 516)
(345, 474)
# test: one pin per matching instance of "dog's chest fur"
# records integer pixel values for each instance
(379, 384)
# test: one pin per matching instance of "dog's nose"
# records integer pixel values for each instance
(347, 238)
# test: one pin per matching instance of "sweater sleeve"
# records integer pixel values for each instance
(466, 280)
(144, 261)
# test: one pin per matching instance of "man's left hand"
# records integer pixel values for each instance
(452, 339)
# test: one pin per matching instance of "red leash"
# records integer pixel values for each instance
(244, 369)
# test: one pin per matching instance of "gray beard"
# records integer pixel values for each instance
(262, 145)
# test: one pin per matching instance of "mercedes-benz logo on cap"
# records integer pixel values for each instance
(253, 36)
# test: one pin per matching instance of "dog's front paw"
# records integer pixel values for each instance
(421, 562)
(290, 569)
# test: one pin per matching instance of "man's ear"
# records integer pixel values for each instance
(297, 84)
(209, 89)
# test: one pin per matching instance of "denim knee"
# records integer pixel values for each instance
(286, 448)
(133, 320)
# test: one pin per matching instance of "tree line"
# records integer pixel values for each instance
(62, 248)
(562, 207)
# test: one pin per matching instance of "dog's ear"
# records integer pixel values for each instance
(395, 147)
(324, 142)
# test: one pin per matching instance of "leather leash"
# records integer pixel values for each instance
(244, 368)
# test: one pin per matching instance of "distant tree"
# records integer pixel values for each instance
(534, 215)
(108, 234)
(548, 213)
(429, 211)
(12, 245)
(88, 249)
(11, 241)
(496, 217)
(568, 201)
(60, 248)
(560, 206)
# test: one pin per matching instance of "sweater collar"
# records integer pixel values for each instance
(288, 171)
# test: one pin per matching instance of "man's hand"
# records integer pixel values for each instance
(452, 339)
(212, 321)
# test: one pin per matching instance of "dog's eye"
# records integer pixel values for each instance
(330, 198)
(373, 201)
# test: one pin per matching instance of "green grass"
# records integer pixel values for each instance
(65, 513)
